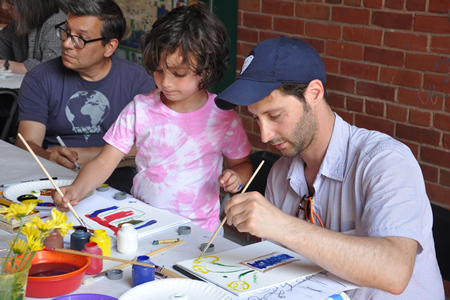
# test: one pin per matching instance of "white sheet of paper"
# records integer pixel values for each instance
(251, 268)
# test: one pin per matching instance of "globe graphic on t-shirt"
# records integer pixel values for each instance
(86, 111)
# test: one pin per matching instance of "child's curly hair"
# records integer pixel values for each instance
(197, 33)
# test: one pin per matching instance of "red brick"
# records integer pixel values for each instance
(439, 6)
(318, 45)
(334, 1)
(326, 31)
(430, 63)
(438, 193)
(353, 2)
(392, 20)
(401, 77)
(347, 116)
(421, 99)
(240, 20)
(416, 5)
(440, 44)
(373, 123)
(247, 123)
(436, 156)
(277, 7)
(340, 84)
(336, 100)
(312, 11)
(364, 71)
(249, 5)
(397, 113)
(448, 103)
(373, 3)
(445, 177)
(419, 117)
(446, 141)
(394, 4)
(344, 50)
(257, 21)
(265, 35)
(418, 134)
(246, 49)
(355, 104)
(255, 140)
(331, 65)
(430, 173)
(442, 121)
(362, 35)
(375, 108)
(437, 83)
(406, 41)
(384, 56)
(293, 26)
(351, 15)
(414, 147)
(247, 35)
(375, 91)
(431, 24)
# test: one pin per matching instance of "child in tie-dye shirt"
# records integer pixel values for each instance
(179, 133)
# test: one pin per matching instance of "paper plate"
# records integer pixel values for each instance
(176, 289)
(14, 191)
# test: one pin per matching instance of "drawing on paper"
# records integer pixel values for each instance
(114, 216)
(269, 261)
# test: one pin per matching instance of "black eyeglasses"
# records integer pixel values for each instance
(77, 41)
(306, 204)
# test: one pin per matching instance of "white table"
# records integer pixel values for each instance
(18, 165)
(10, 80)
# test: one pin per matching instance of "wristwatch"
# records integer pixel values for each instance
(6, 65)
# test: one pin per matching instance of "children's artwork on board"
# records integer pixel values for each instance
(102, 211)
(251, 268)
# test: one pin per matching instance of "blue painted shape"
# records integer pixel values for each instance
(270, 261)
(151, 222)
(336, 297)
(97, 212)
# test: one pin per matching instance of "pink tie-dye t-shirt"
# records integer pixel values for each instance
(179, 155)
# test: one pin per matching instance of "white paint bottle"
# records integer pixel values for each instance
(127, 239)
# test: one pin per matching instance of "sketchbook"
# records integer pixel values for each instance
(251, 268)
(102, 211)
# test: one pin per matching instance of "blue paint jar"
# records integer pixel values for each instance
(141, 274)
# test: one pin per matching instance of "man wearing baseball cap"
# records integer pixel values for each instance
(351, 200)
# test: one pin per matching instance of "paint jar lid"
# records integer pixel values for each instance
(114, 274)
(183, 230)
(103, 188)
(210, 248)
(120, 196)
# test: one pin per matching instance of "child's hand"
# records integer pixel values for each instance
(230, 181)
(71, 195)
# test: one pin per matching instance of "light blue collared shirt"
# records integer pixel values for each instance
(369, 184)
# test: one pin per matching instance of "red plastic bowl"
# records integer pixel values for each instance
(53, 286)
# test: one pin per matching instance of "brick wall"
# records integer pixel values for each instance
(387, 62)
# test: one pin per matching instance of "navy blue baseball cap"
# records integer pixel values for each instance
(271, 63)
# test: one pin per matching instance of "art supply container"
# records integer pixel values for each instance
(103, 241)
(79, 238)
(54, 240)
(96, 263)
(141, 274)
(127, 239)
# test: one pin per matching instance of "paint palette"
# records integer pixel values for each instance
(251, 268)
(29, 191)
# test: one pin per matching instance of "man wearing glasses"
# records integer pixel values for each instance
(80, 94)
(351, 200)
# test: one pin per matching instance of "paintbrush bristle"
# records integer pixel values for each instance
(88, 280)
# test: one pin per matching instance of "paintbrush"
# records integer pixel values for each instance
(51, 180)
(98, 256)
(91, 279)
(225, 219)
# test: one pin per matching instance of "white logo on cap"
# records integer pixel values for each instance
(247, 62)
